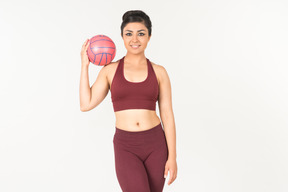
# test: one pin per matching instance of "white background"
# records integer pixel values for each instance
(227, 62)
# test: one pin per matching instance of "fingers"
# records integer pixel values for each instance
(166, 172)
(84, 48)
(172, 177)
(85, 44)
(171, 166)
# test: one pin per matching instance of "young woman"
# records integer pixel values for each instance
(144, 150)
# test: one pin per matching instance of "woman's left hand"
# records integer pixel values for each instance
(171, 166)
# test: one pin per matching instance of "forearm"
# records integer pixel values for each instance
(170, 133)
(85, 90)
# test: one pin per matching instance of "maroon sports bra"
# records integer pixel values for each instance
(134, 95)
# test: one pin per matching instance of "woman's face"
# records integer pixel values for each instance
(135, 37)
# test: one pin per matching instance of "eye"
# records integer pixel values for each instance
(129, 34)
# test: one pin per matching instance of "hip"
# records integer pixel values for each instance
(154, 135)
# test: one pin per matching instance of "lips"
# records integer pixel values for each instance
(135, 46)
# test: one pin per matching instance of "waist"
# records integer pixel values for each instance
(136, 119)
(149, 131)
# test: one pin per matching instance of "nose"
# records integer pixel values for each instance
(134, 38)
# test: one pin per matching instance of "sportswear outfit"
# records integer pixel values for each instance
(140, 156)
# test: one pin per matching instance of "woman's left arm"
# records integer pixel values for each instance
(167, 117)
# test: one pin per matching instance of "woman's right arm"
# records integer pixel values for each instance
(91, 97)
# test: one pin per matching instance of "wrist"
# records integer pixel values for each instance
(84, 65)
(172, 157)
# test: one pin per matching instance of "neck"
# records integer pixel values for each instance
(135, 58)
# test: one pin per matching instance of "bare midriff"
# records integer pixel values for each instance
(136, 119)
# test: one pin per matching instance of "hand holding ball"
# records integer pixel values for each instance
(101, 50)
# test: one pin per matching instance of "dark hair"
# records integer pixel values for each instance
(136, 16)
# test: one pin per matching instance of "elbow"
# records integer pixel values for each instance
(83, 109)
(88, 107)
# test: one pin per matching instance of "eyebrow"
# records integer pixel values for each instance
(138, 30)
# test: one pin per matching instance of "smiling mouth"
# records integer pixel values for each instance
(135, 46)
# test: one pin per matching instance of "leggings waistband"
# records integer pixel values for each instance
(134, 133)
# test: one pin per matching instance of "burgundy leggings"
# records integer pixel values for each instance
(140, 159)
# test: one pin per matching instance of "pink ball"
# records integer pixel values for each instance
(101, 50)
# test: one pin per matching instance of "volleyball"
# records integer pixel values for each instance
(101, 50)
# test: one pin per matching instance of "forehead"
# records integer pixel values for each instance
(135, 26)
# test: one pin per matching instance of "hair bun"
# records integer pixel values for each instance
(132, 13)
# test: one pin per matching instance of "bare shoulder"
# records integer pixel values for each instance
(111, 65)
(160, 71)
(110, 70)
